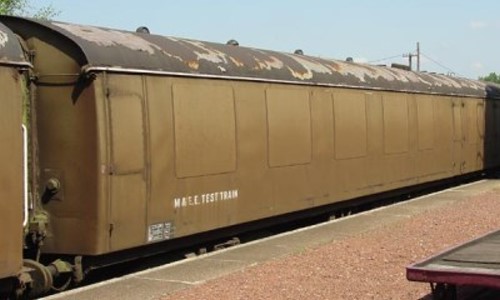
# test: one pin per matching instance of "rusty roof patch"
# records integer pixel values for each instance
(10, 49)
(109, 38)
(104, 47)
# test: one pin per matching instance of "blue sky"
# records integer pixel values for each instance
(456, 36)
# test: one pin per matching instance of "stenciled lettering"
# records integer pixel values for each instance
(204, 199)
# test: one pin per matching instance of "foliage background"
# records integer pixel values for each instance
(492, 77)
(24, 8)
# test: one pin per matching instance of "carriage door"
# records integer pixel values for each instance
(127, 154)
(480, 126)
(458, 136)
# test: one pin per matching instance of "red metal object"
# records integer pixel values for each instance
(473, 263)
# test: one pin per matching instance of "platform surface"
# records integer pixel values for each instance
(160, 281)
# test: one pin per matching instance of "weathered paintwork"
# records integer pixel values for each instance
(11, 155)
(10, 50)
(170, 137)
(104, 47)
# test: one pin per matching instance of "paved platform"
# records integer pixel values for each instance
(159, 281)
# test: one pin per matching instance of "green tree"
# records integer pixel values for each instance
(492, 77)
(23, 8)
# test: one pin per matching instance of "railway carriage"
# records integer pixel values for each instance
(12, 181)
(143, 139)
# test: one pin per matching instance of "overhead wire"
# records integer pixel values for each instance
(385, 58)
(441, 65)
(451, 71)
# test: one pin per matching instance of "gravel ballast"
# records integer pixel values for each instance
(369, 265)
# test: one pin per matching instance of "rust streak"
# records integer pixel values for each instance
(108, 38)
(194, 65)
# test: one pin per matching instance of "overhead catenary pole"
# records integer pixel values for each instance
(418, 56)
(410, 58)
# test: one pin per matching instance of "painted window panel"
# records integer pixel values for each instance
(205, 129)
(289, 127)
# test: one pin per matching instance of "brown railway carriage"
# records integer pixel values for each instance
(151, 138)
(12, 66)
